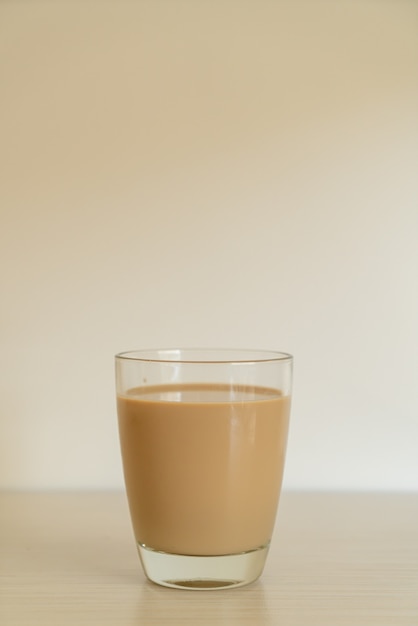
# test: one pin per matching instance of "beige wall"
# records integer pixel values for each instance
(218, 173)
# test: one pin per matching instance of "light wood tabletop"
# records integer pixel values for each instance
(340, 559)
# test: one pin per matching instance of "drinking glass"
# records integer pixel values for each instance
(203, 436)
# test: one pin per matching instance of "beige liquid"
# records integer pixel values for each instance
(203, 468)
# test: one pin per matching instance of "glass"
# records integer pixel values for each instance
(203, 436)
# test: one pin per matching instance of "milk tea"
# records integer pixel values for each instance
(203, 465)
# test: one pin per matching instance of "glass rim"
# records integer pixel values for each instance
(212, 356)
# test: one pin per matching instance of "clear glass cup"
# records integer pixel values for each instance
(203, 436)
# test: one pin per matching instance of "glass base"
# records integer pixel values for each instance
(202, 572)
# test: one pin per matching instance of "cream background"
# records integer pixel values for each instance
(209, 173)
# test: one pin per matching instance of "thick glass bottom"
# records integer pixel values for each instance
(202, 572)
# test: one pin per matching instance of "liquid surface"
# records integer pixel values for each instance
(203, 465)
(205, 392)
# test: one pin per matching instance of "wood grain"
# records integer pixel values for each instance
(340, 559)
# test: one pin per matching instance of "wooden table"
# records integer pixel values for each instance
(336, 559)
